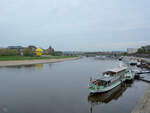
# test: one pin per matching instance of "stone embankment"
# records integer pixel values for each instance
(144, 104)
(145, 62)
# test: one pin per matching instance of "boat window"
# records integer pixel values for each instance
(95, 82)
(108, 83)
(108, 74)
(104, 83)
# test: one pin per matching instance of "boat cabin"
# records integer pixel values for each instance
(108, 76)
(104, 81)
(115, 71)
(109, 79)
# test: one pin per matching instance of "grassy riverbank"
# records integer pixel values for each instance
(15, 58)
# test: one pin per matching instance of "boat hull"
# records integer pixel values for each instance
(129, 79)
(105, 89)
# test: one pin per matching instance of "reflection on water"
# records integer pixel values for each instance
(3, 109)
(39, 66)
(31, 66)
(62, 88)
(105, 98)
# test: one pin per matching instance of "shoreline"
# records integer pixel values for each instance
(143, 105)
(31, 62)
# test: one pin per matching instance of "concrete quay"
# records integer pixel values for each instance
(144, 104)
(145, 62)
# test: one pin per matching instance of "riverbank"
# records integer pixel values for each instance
(14, 58)
(35, 61)
(144, 105)
(145, 62)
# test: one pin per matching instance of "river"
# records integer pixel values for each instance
(62, 87)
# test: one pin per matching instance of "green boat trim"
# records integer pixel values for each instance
(110, 79)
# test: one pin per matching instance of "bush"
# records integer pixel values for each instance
(28, 52)
(8, 52)
(144, 50)
(58, 53)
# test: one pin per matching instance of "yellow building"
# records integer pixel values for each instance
(39, 51)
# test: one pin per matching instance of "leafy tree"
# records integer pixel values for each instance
(8, 52)
(125, 53)
(144, 50)
(28, 52)
(140, 50)
(57, 53)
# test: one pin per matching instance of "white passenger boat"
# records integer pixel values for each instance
(109, 80)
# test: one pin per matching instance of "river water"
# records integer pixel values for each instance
(63, 88)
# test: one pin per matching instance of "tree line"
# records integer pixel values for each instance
(26, 52)
(144, 50)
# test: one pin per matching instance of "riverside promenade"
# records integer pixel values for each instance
(146, 62)
(144, 104)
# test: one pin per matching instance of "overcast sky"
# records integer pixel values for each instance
(77, 25)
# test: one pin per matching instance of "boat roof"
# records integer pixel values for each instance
(116, 70)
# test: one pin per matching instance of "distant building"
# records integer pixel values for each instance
(18, 48)
(15, 47)
(51, 49)
(39, 52)
(132, 50)
(33, 48)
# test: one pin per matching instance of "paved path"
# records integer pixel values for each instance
(144, 105)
